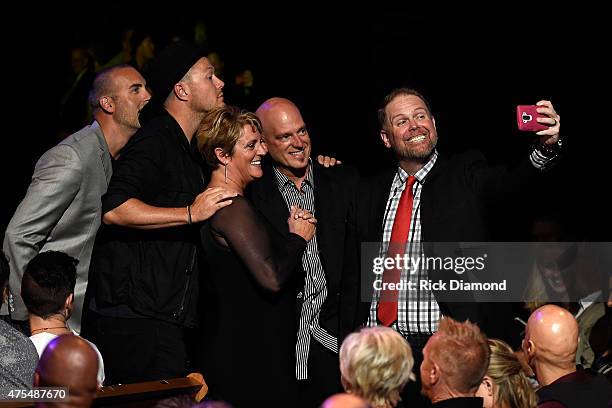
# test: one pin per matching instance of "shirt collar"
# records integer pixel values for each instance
(402, 175)
(283, 181)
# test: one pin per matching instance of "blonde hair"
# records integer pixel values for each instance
(512, 388)
(376, 363)
(221, 128)
(462, 353)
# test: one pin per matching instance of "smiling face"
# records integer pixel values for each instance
(245, 164)
(410, 130)
(286, 135)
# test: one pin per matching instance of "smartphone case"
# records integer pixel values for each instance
(526, 118)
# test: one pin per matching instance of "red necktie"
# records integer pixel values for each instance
(387, 307)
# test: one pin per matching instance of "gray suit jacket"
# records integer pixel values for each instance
(61, 211)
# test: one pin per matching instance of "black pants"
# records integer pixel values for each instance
(136, 350)
(323, 376)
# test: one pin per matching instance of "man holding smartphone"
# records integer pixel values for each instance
(431, 198)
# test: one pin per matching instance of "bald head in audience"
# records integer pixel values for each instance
(550, 343)
(344, 401)
(69, 361)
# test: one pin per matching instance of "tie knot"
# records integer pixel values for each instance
(410, 182)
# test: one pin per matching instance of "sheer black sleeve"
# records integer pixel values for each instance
(257, 245)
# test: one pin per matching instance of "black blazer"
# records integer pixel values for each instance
(454, 199)
(334, 191)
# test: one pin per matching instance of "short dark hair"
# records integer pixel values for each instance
(47, 281)
(103, 85)
(382, 114)
(4, 271)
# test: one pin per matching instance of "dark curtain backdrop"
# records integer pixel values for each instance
(474, 65)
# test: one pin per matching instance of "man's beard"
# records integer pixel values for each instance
(419, 156)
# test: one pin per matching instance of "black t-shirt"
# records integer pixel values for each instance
(151, 271)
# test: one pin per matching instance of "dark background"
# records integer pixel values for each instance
(474, 65)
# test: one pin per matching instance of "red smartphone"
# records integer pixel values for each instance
(526, 116)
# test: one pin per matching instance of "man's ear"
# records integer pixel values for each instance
(434, 122)
(222, 156)
(5, 294)
(107, 104)
(69, 304)
(385, 138)
(181, 91)
(488, 384)
(434, 374)
(69, 300)
(530, 349)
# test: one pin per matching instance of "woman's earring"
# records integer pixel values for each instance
(226, 174)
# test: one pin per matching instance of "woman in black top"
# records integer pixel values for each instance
(248, 285)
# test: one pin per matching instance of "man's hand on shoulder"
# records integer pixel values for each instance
(208, 202)
(327, 161)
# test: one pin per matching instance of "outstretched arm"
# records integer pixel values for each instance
(134, 213)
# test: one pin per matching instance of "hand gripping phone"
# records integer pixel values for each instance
(526, 116)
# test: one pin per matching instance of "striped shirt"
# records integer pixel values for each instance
(315, 287)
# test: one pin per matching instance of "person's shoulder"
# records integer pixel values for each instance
(150, 137)
(239, 204)
(11, 334)
(343, 174)
(380, 177)
(18, 344)
(86, 142)
(339, 170)
(63, 155)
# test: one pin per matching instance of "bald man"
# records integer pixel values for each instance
(550, 344)
(344, 401)
(327, 296)
(69, 361)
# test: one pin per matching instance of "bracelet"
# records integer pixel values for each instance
(189, 213)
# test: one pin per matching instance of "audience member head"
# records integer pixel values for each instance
(142, 48)
(551, 342)
(4, 277)
(345, 401)
(408, 128)
(505, 385)
(69, 361)
(80, 60)
(375, 364)
(285, 134)
(455, 359)
(47, 287)
(230, 140)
